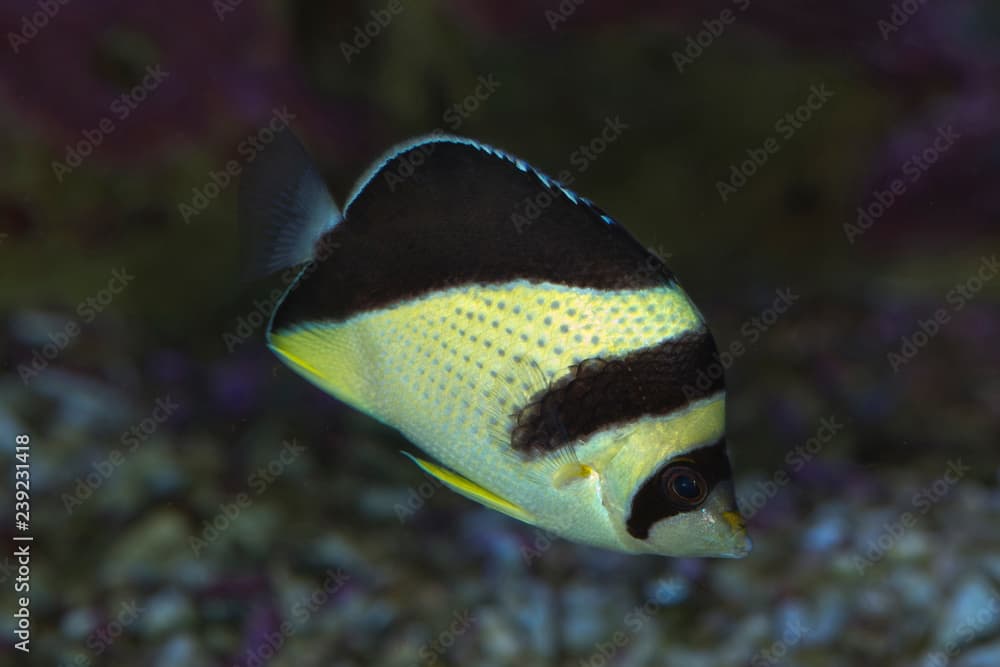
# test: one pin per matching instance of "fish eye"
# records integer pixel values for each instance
(685, 486)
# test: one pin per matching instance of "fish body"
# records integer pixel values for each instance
(550, 372)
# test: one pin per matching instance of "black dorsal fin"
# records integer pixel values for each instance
(446, 212)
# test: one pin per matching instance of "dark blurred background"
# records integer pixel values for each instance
(823, 177)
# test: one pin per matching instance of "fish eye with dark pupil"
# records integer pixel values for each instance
(684, 486)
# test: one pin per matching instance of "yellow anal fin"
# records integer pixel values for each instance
(327, 357)
(294, 361)
(473, 491)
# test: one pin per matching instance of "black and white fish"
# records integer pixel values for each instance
(551, 375)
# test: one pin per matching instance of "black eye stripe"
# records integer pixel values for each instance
(650, 504)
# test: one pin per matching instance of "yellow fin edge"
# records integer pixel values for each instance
(471, 490)
(322, 356)
(290, 358)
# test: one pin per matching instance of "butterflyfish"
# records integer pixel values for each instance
(550, 368)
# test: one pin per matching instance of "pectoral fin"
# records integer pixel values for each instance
(473, 491)
(571, 472)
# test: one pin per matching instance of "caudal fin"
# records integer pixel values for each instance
(284, 208)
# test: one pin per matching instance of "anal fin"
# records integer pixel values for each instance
(471, 490)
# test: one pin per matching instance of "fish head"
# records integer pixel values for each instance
(712, 527)
(667, 486)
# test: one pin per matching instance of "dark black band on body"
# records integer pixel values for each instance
(652, 502)
(599, 393)
(459, 215)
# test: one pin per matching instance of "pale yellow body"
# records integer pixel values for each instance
(448, 371)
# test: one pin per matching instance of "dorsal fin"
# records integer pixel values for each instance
(448, 211)
(284, 207)
(425, 145)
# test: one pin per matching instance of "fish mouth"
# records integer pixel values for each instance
(735, 521)
(742, 548)
(742, 544)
